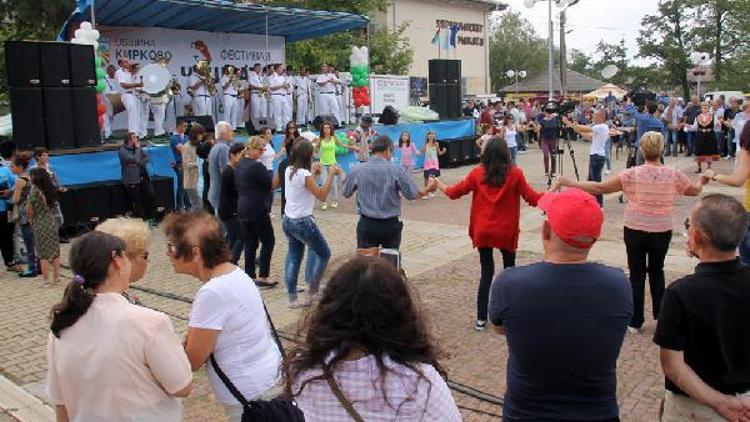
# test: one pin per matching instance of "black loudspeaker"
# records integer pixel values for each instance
(55, 63)
(22, 64)
(119, 204)
(86, 122)
(445, 99)
(389, 116)
(59, 115)
(67, 201)
(92, 202)
(206, 121)
(453, 157)
(164, 189)
(82, 70)
(27, 117)
(443, 71)
(467, 149)
(330, 118)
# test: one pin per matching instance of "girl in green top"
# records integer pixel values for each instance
(326, 146)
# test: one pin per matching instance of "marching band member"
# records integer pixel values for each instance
(143, 99)
(257, 101)
(289, 109)
(302, 87)
(241, 89)
(277, 83)
(126, 86)
(340, 98)
(267, 101)
(327, 83)
(202, 104)
(229, 86)
(109, 89)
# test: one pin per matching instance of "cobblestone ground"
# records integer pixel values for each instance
(442, 266)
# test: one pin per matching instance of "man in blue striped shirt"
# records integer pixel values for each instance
(379, 184)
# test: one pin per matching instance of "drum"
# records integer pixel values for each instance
(156, 79)
(116, 101)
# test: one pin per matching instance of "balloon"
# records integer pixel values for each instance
(101, 121)
(100, 109)
(100, 72)
(93, 35)
(79, 33)
(96, 45)
(78, 41)
(86, 25)
(99, 98)
(100, 86)
(98, 60)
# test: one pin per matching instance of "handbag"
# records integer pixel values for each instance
(276, 410)
(343, 400)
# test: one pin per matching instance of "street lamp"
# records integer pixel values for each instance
(517, 74)
(699, 60)
(561, 3)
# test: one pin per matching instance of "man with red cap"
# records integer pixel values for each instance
(564, 319)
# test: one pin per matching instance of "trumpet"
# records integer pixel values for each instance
(234, 77)
(204, 72)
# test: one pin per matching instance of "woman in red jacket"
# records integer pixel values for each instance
(497, 185)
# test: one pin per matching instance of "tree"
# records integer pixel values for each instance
(664, 37)
(721, 28)
(580, 62)
(390, 51)
(514, 45)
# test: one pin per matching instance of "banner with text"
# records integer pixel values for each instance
(184, 48)
(388, 90)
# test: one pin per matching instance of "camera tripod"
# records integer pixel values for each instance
(557, 159)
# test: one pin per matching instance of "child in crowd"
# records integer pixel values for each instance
(487, 133)
(41, 212)
(431, 164)
(408, 151)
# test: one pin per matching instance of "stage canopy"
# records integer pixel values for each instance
(215, 16)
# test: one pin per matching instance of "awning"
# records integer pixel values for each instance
(215, 16)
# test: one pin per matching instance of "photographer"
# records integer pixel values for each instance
(549, 134)
(644, 122)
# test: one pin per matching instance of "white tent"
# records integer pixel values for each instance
(603, 92)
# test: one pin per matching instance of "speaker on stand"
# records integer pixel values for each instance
(445, 88)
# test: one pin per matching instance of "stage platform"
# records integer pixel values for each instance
(102, 164)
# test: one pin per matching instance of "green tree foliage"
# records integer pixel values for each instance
(580, 62)
(390, 51)
(721, 28)
(514, 45)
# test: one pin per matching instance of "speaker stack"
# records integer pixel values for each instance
(445, 88)
(52, 94)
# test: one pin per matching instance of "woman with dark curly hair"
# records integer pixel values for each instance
(497, 186)
(367, 354)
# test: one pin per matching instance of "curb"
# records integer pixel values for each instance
(22, 405)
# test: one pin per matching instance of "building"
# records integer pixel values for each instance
(446, 29)
(577, 85)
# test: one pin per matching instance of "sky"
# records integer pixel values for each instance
(591, 21)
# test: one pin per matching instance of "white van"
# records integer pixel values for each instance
(710, 96)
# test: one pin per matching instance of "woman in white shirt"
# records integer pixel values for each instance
(227, 320)
(299, 223)
(110, 360)
(268, 156)
(510, 130)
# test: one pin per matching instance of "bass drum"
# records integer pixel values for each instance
(156, 79)
(116, 101)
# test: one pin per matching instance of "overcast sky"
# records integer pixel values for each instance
(591, 21)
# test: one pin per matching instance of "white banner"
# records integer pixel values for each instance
(389, 90)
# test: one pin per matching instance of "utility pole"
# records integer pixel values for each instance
(563, 57)
(550, 46)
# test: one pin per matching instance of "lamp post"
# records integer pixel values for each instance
(550, 65)
(517, 74)
(699, 60)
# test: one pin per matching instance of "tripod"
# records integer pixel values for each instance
(557, 159)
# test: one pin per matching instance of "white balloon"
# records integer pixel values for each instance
(96, 45)
(86, 25)
(77, 41)
(79, 33)
(93, 35)
(510, 73)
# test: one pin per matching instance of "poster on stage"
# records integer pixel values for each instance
(389, 90)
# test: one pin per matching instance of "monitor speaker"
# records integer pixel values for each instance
(82, 68)
(27, 117)
(55, 63)
(92, 202)
(119, 204)
(389, 116)
(22, 64)
(67, 202)
(59, 115)
(86, 120)
(164, 189)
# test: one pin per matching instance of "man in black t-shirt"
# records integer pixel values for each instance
(691, 112)
(564, 319)
(729, 113)
(704, 321)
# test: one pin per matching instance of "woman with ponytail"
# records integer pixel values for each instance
(109, 359)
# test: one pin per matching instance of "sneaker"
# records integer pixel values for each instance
(633, 330)
(299, 303)
(432, 195)
(480, 325)
(606, 171)
(324, 206)
(28, 274)
(266, 284)
(334, 204)
(426, 197)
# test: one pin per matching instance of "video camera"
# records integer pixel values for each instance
(641, 96)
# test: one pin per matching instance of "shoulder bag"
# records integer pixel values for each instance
(343, 400)
(276, 410)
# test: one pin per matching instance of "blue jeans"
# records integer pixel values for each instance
(690, 149)
(28, 241)
(513, 153)
(301, 232)
(236, 242)
(745, 248)
(596, 164)
(183, 200)
(674, 141)
(608, 153)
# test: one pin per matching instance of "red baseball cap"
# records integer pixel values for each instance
(574, 216)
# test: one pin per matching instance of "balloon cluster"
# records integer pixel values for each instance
(344, 140)
(87, 35)
(359, 63)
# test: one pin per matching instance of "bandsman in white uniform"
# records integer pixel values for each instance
(126, 86)
(302, 88)
(267, 99)
(257, 90)
(327, 83)
(341, 96)
(242, 85)
(289, 109)
(110, 88)
(278, 85)
(229, 87)
(202, 101)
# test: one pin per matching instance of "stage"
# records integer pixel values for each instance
(104, 166)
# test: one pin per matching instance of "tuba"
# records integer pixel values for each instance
(234, 76)
(203, 69)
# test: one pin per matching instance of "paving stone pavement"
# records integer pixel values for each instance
(442, 266)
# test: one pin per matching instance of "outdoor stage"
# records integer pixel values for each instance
(104, 166)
